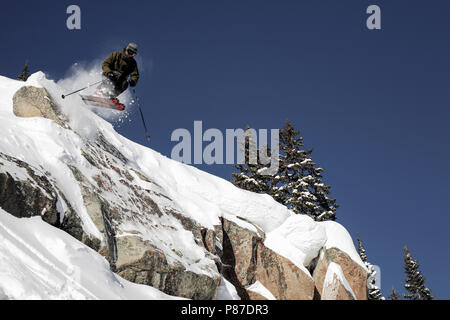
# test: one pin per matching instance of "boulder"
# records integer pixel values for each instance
(281, 277)
(140, 262)
(336, 286)
(30, 101)
(239, 250)
(354, 273)
(246, 260)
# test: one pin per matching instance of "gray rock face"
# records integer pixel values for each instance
(132, 257)
(140, 263)
(73, 226)
(26, 192)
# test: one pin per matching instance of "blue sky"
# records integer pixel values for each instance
(374, 104)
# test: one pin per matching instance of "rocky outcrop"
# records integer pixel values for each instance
(246, 260)
(137, 221)
(281, 277)
(72, 225)
(25, 191)
(354, 273)
(109, 205)
(140, 262)
(132, 257)
(335, 286)
(236, 246)
(30, 101)
(239, 253)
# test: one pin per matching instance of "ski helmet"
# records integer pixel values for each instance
(132, 47)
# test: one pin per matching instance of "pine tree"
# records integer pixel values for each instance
(298, 184)
(373, 292)
(415, 282)
(394, 295)
(361, 250)
(25, 73)
(250, 177)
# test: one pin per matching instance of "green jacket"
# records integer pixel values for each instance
(117, 61)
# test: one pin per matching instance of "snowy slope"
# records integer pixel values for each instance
(198, 195)
(38, 261)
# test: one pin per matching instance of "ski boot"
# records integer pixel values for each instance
(119, 106)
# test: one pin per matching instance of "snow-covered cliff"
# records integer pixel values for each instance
(98, 216)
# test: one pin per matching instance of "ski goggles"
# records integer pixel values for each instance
(131, 52)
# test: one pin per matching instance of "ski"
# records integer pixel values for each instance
(97, 101)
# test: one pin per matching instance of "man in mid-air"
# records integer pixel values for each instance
(120, 70)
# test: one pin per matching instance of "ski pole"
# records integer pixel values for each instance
(142, 115)
(90, 85)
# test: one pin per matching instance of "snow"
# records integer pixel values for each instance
(80, 76)
(338, 237)
(198, 192)
(335, 273)
(227, 291)
(298, 239)
(243, 224)
(42, 143)
(258, 287)
(39, 261)
(195, 194)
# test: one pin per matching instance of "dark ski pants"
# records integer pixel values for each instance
(114, 88)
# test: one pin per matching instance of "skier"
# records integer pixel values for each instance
(117, 68)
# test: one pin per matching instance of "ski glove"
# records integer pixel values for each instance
(114, 75)
(132, 83)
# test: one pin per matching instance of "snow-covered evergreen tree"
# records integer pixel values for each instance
(361, 249)
(298, 184)
(415, 282)
(373, 292)
(249, 176)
